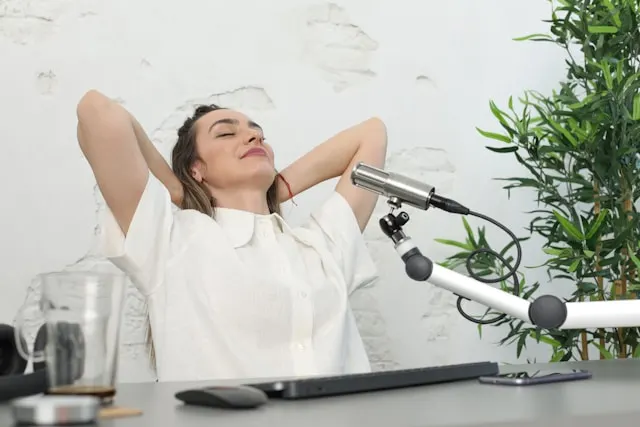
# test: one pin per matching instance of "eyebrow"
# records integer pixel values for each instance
(251, 123)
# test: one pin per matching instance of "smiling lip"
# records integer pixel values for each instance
(255, 152)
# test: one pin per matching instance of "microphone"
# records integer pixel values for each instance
(545, 311)
(402, 189)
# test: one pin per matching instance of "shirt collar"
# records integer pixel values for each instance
(239, 226)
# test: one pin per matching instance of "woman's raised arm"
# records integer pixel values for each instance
(365, 142)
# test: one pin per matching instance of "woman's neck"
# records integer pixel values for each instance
(243, 200)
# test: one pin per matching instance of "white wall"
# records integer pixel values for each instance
(304, 69)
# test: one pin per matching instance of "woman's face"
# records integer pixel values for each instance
(233, 152)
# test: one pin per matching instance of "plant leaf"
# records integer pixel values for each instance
(612, 9)
(597, 223)
(633, 257)
(635, 114)
(500, 115)
(574, 265)
(470, 235)
(602, 29)
(493, 135)
(545, 339)
(455, 244)
(533, 36)
(522, 343)
(571, 229)
(509, 149)
(566, 252)
(563, 131)
(603, 351)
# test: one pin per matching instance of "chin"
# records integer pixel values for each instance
(265, 172)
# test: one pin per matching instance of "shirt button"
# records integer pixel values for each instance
(301, 347)
(303, 294)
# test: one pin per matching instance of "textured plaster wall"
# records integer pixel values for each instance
(303, 69)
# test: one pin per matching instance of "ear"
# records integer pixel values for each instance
(197, 171)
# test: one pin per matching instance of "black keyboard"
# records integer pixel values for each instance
(304, 388)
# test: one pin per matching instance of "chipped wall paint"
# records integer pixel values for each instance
(305, 70)
(341, 50)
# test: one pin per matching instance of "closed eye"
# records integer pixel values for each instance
(222, 135)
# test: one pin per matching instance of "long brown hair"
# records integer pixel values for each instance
(196, 195)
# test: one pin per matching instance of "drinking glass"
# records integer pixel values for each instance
(81, 314)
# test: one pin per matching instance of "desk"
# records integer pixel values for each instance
(609, 398)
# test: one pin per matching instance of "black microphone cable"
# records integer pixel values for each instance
(452, 206)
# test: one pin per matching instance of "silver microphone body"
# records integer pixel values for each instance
(389, 184)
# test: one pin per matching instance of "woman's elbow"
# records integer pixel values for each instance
(375, 127)
(375, 136)
(376, 124)
(91, 103)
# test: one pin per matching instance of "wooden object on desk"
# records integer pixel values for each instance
(111, 412)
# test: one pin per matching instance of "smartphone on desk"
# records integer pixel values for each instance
(533, 377)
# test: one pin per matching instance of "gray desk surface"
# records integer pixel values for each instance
(609, 398)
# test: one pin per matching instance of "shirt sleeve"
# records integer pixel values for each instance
(339, 227)
(144, 252)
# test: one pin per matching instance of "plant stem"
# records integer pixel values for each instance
(599, 279)
(628, 209)
(621, 290)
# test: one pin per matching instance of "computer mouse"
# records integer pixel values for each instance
(233, 397)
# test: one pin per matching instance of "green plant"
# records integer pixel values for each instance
(579, 148)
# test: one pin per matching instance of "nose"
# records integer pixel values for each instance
(255, 138)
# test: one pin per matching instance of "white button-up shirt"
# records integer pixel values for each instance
(245, 295)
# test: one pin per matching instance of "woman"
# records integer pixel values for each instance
(233, 291)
